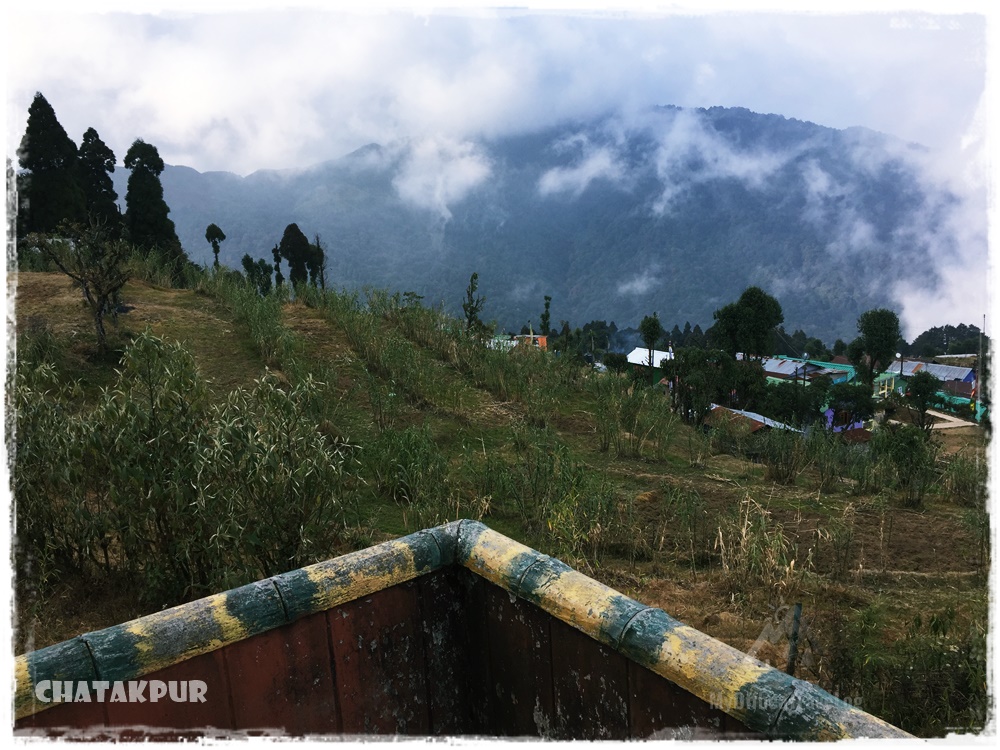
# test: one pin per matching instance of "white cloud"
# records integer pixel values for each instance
(823, 193)
(955, 235)
(599, 163)
(641, 283)
(279, 88)
(438, 172)
(690, 152)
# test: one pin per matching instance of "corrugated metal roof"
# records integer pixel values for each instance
(782, 367)
(755, 417)
(941, 372)
(640, 356)
(788, 368)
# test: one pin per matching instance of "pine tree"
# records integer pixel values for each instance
(146, 212)
(49, 188)
(258, 273)
(317, 264)
(295, 248)
(472, 306)
(546, 320)
(278, 278)
(214, 235)
(97, 162)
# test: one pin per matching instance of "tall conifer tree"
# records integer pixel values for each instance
(49, 188)
(295, 248)
(97, 162)
(146, 212)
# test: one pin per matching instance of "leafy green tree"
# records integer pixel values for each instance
(748, 324)
(851, 403)
(95, 261)
(596, 337)
(214, 235)
(796, 404)
(700, 378)
(746, 385)
(650, 330)
(50, 191)
(839, 347)
(97, 162)
(922, 396)
(147, 215)
(875, 349)
(258, 273)
(948, 339)
(473, 305)
(295, 248)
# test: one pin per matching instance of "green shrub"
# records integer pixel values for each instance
(151, 484)
(911, 455)
(276, 480)
(930, 682)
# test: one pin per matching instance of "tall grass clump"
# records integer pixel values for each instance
(866, 468)
(965, 479)
(731, 436)
(406, 467)
(754, 553)
(840, 536)
(783, 453)
(825, 452)
(910, 456)
(593, 522)
(152, 267)
(631, 417)
(260, 314)
(686, 517)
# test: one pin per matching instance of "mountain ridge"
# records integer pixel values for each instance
(675, 211)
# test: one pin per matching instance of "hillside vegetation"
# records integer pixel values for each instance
(228, 436)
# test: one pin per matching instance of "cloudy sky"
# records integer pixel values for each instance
(269, 88)
(261, 87)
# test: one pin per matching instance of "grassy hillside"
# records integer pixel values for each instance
(380, 418)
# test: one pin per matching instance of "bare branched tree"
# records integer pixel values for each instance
(95, 261)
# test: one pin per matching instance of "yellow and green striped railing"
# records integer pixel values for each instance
(761, 697)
